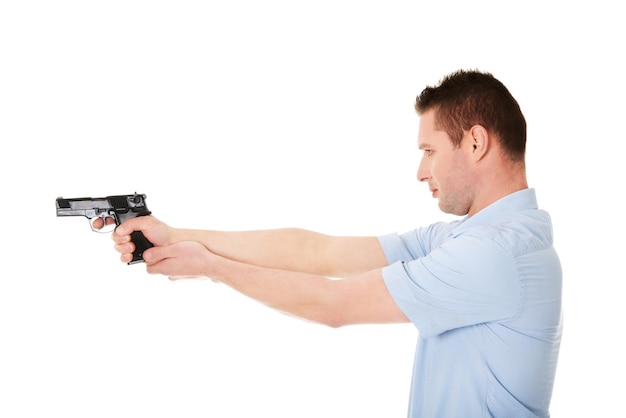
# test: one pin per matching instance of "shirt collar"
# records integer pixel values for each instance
(515, 202)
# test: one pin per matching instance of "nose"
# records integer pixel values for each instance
(423, 171)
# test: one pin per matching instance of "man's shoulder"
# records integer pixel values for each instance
(519, 233)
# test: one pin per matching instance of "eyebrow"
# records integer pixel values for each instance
(422, 146)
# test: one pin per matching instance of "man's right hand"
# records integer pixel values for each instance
(157, 232)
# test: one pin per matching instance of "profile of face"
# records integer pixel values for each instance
(447, 169)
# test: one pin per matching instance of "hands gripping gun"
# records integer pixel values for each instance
(112, 210)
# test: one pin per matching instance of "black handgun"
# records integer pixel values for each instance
(115, 208)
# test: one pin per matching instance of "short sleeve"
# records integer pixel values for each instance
(467, 280)
(415, 244)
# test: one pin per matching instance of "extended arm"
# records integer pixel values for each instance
(295, 250)
(362, 299)
(289, 270)
(287, 249)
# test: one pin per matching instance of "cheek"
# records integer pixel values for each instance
(450, 172)
(459, 172)
(439, 169)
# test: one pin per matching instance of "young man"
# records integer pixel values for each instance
(484, 291)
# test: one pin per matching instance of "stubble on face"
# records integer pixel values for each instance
(455, 190)
(449, 169)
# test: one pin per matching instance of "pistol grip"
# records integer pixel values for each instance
(141, 245)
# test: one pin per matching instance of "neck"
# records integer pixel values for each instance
(498, 183)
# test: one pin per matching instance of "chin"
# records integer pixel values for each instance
(452, 209)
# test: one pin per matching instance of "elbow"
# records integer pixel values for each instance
(336, 310)
(333, 324)
(332, 318)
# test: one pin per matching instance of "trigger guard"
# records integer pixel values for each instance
(106, 228)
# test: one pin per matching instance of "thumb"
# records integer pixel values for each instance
(155, 254)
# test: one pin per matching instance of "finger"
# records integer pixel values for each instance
(120, 239)
(160, 260)
(125, 248)
(126, 258)
(105, 223)
(98, 223)
(131, 225)
(156, 254)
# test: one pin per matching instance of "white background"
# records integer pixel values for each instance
(249, 115)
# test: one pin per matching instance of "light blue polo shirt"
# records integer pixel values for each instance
(485, 295)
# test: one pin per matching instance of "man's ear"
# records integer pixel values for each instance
(480, 141)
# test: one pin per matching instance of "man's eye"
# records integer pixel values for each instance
(428, 152)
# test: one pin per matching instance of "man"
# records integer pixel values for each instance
(484, 291)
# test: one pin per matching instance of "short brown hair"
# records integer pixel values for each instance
(467, 98)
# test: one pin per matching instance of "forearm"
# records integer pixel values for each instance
(292, 249)
(363, 299)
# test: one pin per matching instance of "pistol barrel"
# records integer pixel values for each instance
(82, 206)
